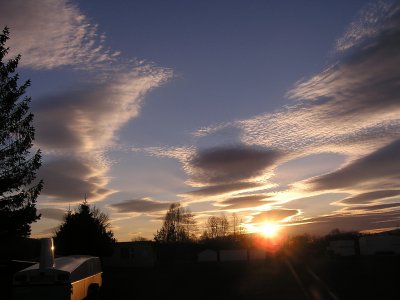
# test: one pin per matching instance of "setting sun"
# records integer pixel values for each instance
(269, 230)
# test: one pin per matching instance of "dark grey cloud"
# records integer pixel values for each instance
(221, 189)
(375, 169)
(68, 179)
(246, 201)
(231, 164)
(274, 215)
(140, 206)
(365, 198)
(52, 213)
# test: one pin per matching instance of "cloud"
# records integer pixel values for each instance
(53, 33)
(88, 119)
(350, 107)
(368, 23)
(230, 188)
(366, 198)
(140, 206)
(45, 233)
(70, 179)
(52, 213)
(222, 170)
(376, 207)
(346, 222)
(245, 201)
(274, 215)
(74, 128)
(376, 170)
(230, 164)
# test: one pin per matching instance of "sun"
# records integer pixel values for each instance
(269, 230)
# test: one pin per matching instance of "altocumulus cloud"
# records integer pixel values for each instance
(74, 128)
(351, 107)
(53, 33)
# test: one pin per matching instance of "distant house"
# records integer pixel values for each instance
(380, 244)
(342, 247)
(231, 255)
(132, 254)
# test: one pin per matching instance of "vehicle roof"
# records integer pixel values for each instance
(66, 263)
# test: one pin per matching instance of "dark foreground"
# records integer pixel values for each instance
(276, 278)
(281, 277)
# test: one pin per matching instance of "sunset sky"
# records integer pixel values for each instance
(280, 111)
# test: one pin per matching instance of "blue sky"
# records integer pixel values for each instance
(279, 111)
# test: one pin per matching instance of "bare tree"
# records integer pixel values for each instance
(216, 227)
(237, 228)
(179, 225)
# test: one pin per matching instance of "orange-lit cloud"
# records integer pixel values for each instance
(274, 215)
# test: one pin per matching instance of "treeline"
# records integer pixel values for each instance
(180, 226)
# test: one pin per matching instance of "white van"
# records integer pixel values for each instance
(69, 277)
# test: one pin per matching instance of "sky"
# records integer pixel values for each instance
(278, 111)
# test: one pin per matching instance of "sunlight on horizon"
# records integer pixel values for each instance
(269, 230)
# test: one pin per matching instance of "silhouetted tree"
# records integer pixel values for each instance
(179, 225)
(85, 231)
(18, 165)
(216, 227)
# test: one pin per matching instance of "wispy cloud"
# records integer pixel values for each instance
(245, 202)
(373, 208)
(274, 215)
(346, 222)
(378, 170)
(223, 189)
(370, 197)
(53, 33)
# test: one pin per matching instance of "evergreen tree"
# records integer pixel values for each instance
(85, 231)
(179, 225)
(18, 165)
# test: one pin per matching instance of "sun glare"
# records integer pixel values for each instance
(269, 230)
